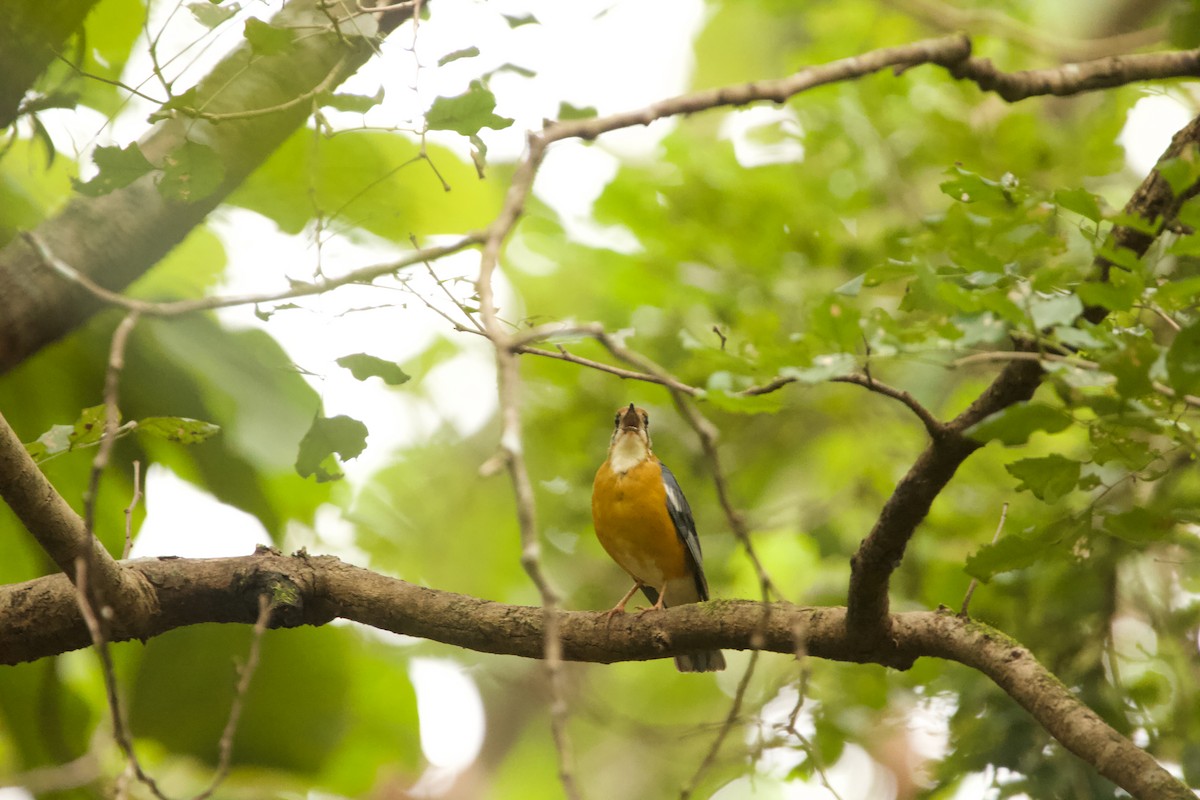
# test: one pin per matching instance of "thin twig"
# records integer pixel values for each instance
(97, 623)
(814, 754)
(1021, 355)
(358, 276)
(947, 50)
(395, 7)
(811, 750)
(112, 383)
(962, 612)
(562, 354)
(449, 296)
(773, 385)
(731, 719)
(933, 425)
(1163, 315)
(245, 673)
(100, 642)
(1075, 361)
(512, 452)
(336, 75)
(137, 495)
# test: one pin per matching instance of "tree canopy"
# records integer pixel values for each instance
(920, 343)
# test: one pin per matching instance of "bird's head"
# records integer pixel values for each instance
(631, 438)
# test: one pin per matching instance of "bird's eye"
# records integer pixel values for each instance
(645, 419)
(617, 420)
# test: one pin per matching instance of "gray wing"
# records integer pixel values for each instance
(685, 526)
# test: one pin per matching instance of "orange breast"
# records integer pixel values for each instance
(630, 514)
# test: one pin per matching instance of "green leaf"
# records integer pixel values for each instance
(42, 135)
(89, 428)
(355, 175)
(266, 39)
(838, 323)
(210, 15)
(1080, 338)
(178, 429)
(191, 172)
(1058, 310)
(1181, 172)
(1082, 202)
(1150, 688)
(119, 167)
(1015, 424)
(1121, 257)
(1138, 526)
(1049, 478)
(889, 271)
(1021, 550)
(1138, 223)
(1006, 555)
(516, 22)
(466, 113)
(968, 187)
(566, 111)
(1191, 751)
(1180, 292)
(516, 69)
(852, 287)
(363, 366)
(185, 102)
(50, 443)
(1183, 361)
(1131, 366)
(1185, 245)
(1119, 294)
(353, 103)
(341, 435)
(466, 52)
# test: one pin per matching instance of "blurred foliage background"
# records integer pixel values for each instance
(905, 224)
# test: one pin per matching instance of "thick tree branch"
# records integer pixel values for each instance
(1086, 76)
(40, 618)
(933, 426)
(62, 533)
(880, 553)
(114, 238)
(33, 31)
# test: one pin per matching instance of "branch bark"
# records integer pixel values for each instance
(62, 533)
(881, 551)
(40, 618)
(33, 32)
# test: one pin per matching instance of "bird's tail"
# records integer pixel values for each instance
(705, 661)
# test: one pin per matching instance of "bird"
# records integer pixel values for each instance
(645, 524)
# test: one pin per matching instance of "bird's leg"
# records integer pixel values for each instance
(619, 608)
(658, 606)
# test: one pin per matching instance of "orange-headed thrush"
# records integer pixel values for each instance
(644, 522)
